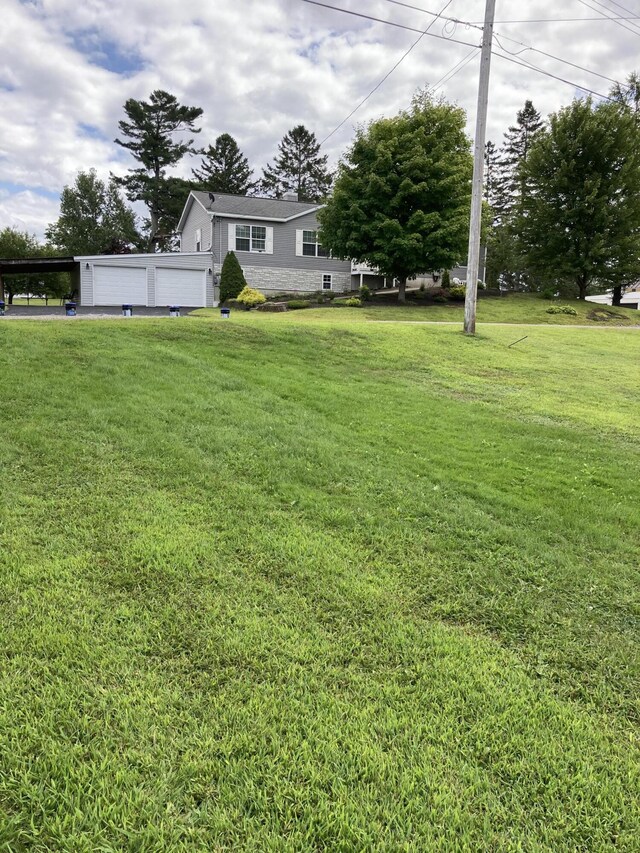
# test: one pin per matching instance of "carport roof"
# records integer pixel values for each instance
(17, 266)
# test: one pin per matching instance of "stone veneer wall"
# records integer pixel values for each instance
(276, 280)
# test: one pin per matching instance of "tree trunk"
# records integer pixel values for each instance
(153, 221)
(402, 286)
(616, 299)
(582, 283)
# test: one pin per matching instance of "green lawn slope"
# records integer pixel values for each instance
(292, 583)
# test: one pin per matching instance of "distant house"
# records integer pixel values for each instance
(630, 297)
(275, 241)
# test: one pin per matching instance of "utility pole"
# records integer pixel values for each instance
(473, 256)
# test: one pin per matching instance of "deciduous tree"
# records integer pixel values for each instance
(581, 217)
(93, 219)
(154, 133)
(298, 167)
(402, 196)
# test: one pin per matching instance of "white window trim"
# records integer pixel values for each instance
(328, 275)
(198, 239)
(268, 239)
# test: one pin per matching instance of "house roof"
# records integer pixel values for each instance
(249, 207)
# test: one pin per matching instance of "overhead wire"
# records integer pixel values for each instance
(389, 73)
(608, 17)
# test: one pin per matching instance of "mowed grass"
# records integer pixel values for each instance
(293, 584)
(514, 308)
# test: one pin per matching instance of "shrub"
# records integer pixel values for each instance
(353, 302)
(295, 304)
(365, 293)
(458, 291)
(446, 280)
(440, 299)
(562, 309)
(232, 279)
(249, 297)
(421, 288)
(548, 293)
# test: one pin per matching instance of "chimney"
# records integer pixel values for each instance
(290, 196)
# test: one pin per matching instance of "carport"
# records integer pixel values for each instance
(25, 266)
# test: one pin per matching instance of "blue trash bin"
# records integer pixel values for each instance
(225, 313)
(174, 310)
(70, 309)
(127, 310)
(1, 308)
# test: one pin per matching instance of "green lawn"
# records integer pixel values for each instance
(514, 308)
(306, 582)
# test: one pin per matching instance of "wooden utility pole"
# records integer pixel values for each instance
(473, 256)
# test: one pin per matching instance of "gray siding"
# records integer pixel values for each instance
(200, 261)
(196, 218)
(284, 246)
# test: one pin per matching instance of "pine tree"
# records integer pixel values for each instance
(298, 167)
(150, 132)
(491, 173)
(225, 169)
(232, 279)
(511, 186)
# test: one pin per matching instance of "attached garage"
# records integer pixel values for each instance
(184, 287)
(115, 285)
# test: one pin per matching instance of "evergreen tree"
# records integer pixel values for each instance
(232, 279)
(224, 168)
(150, 131)
(93, 219)
(298, 167)
(491, 173)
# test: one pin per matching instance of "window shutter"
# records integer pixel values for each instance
(232, 237)
(298, 242)
(269, 241)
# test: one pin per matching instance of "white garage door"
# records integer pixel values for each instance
(180, 287)
(116, 285)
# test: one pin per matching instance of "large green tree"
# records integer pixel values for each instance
(580, 219)
(94, 218)
(224, 168)
(298, 167)
(402, 196)
(17, 244)
(154, 132)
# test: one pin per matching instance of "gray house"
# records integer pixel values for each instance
(275, 241)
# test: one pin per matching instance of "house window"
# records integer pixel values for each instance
(327, 280)
(251, 238)
(310, 246)
(198, 239)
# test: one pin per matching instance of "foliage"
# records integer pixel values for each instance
(581, 216)
(314, 583)
(365, 293)
(445, 282)
(93, 219)
(224, 169)
(17, 244)
(298, 167)
(352, 302)
(440, 299)
(457, 291)
(402, 196)
(548, 293)
(150, 130)
(250, 297)
(232, 280)
(295, 304)
(562, 309)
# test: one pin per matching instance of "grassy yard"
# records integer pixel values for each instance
(306, 582)
(514, 308)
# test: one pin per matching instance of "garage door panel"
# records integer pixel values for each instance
(118, 285)
(180, 287)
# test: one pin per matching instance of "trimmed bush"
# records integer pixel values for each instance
(446, 280)
(353, 302)
(562, 309)
(296, 304)
(365, 293)
(232, 279)
(458, 291)
(441, 300)
(250, 297)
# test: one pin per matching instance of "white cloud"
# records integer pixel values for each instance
(257, 69)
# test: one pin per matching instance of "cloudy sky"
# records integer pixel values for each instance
(259, 67)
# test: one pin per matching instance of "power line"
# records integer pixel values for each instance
(389, 23)
(528, 65)
(609, 17)
(456, 69)
(429, 12)
(388, 74)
